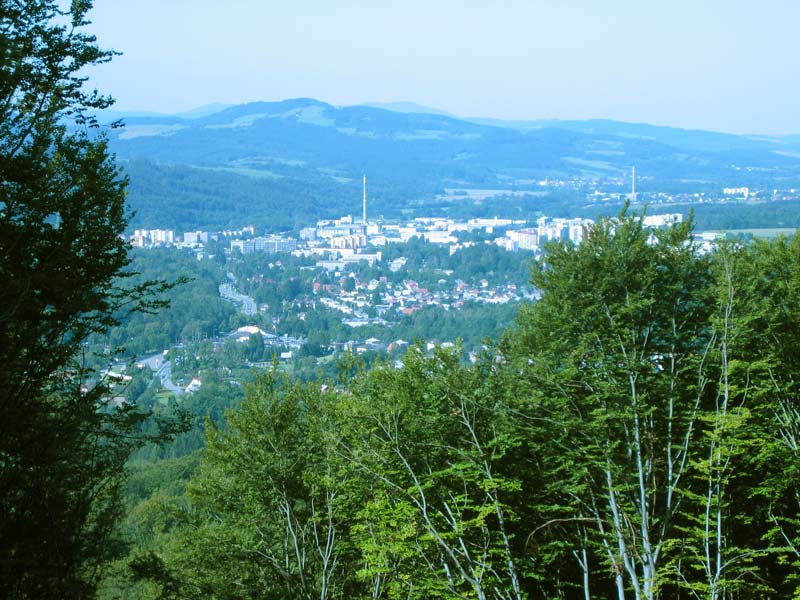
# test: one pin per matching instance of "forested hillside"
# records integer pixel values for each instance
(634, 435)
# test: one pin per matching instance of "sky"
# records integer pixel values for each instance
(721, 65)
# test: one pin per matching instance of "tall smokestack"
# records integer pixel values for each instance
(364, 213)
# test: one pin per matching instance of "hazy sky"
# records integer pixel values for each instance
(726, 65)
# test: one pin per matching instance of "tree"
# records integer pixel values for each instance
(265, 520)
(739, 516)
(613, 351)
(62, 260)
(434, 515)
(658, 385)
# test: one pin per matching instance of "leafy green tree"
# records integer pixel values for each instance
(254, 347)
(741, 534)
(763, 374)
(658, 385)
(711, 558)
(435, 518)
(265, 521)
(62, 254)
(613, 352)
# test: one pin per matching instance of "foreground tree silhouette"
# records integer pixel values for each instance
(62, 259)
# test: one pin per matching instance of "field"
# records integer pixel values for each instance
(763, 233)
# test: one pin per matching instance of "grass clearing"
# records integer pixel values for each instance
(767, 233)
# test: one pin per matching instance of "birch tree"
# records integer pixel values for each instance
(431, 443)
(768, 275)
(614, 352)
(265, 521)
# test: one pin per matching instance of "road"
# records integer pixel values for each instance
(154, 361)
(163, 371)
(245, 303)
(165, 374)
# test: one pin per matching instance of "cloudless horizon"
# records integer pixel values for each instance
(725, 66)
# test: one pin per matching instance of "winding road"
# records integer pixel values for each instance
(163, 371)
(246, 304)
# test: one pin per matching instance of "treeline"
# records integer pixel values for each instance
(472, 324)
(195, 310)
(636, 434)
(764, 215)
(206, 406)
(187, 198)
(272, 197)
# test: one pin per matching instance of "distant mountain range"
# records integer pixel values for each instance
(409, 107)
(302, 148)
(110, 115)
